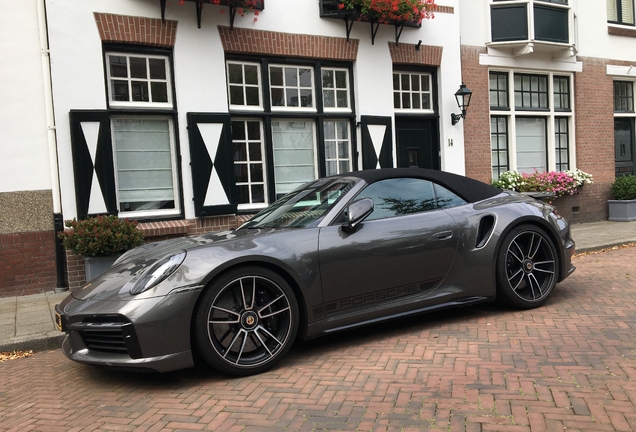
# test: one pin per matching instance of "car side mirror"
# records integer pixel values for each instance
(357, 212)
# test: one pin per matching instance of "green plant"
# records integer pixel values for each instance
(101, 236)
(624, 188)
(384, 11)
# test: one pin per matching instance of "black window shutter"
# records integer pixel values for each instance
(212, 164)
(377, 142)
(93, 166)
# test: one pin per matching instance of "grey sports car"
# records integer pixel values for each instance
(336, 253)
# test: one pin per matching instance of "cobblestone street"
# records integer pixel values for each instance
(569, 365)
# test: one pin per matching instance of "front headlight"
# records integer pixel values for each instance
(158, 272)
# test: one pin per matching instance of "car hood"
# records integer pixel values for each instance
(116, 282)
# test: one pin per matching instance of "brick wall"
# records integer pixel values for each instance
(477, 121)
(407, 54)
(594, 133)
(262, 42)
(137, 30)
(28, 263)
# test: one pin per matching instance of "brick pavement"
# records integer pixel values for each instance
(569, 365)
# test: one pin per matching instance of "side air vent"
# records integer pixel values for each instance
(486, 225)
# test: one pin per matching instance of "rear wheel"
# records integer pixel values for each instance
(246, 321)
(527, 266)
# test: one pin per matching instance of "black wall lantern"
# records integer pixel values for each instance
(463, 100)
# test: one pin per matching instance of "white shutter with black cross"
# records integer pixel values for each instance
(377, 142)
(212, 164)
(93, 167)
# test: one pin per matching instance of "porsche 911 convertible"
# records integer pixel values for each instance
(337, 253)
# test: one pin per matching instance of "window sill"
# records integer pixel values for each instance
(522, 48)
(621, 31)
(164, 228)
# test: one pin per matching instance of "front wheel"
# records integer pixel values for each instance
(527, 266)
(246, 321)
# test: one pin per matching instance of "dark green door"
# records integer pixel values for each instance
(417, 143)
(624, 145)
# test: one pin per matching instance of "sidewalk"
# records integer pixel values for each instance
(27, 322)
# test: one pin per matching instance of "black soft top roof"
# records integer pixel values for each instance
(469, 189)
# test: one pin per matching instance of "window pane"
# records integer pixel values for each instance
(251, 74)
(397, 197)
(306, 99)
(240, 153)
(235, 73)
(140, 91)
(341, 79)
(396, 81)
(551, 24)
(612, 14)
(276, 76)
(294, 158)
(252, 96)
(157, 68)
(278, 98)
(159, 91)
(138, 67)
(305, 77)
(118, 66)
(327, 78)
(291, 77)
(144, 164)
(292, 97)
(406, 82)
(342, 99)
(627, 12)
(254, 130)
(120, 90)
(509, 23)
(236, 95)
(531, 144)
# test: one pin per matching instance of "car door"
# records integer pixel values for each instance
(404, 248)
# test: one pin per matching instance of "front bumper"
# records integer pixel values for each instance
(152, 333)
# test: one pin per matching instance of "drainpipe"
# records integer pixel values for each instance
(58, 219)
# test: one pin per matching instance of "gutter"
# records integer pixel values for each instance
(58, 219)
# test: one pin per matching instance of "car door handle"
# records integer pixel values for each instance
(443, 235)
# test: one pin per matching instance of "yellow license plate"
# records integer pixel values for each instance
(59, 323)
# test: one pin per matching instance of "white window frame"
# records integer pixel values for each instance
(513, 112)
(174, 166)
(284, 87)
(259, 86)
(338, 159)
(137, 104)
(430, 110)
(335, 89)
(251, 205)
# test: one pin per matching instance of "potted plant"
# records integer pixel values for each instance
(547, 185)
(242, 7)
(100, 240)
(388, 11)
(623, 206)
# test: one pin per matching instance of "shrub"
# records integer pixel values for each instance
(101, 236)
(624, 188)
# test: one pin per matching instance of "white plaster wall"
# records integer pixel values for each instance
(78, 72)
(24, 154)
(592, 38)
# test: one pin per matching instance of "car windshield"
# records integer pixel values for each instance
(302, 207)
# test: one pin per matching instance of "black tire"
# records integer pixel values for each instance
(527, 267)
(246, 321)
